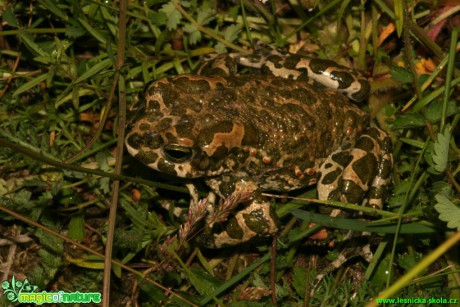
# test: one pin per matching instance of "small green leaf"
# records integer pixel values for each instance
(77, 227)
(52, 7)
(231, 32)
(399, 16)
(408, 120)
(299, 280)
(428, 156)
(29, 42)
(340, 12)
(441, 187)
(380, 276)
(233, 12)
(172, 14)
(9, 17)
(448, 211)
(202, 281)
(357, 225)
(94, 70)
(155, 295)
(433, 112)
(90, 262)
(75, 31)
(137, 217)
(408, 261)
(95, 33)
(80, 93)
(194, 35)
(416, 143)
(34, 82)
(220, 48)
(205, 15)
(158, 18)
(441, 150)
(401, 74)
(205, 263)
(116, 270)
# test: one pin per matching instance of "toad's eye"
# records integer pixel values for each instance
(177, 153)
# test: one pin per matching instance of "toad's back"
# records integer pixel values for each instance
(277, 131)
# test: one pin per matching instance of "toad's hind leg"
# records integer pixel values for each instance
(332, 172)
(331, 176)
(366, 178)
(378, 191)
(358, 173)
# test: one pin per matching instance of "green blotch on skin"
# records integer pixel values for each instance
(352, 192)
(146, 157)
(234, 230)
(365, 168)
(166, 167)
(256, 221)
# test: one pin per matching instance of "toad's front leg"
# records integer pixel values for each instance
(244, 215)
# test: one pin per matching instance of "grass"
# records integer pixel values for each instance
(71, 69)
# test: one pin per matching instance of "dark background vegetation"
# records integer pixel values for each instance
(69, 71)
